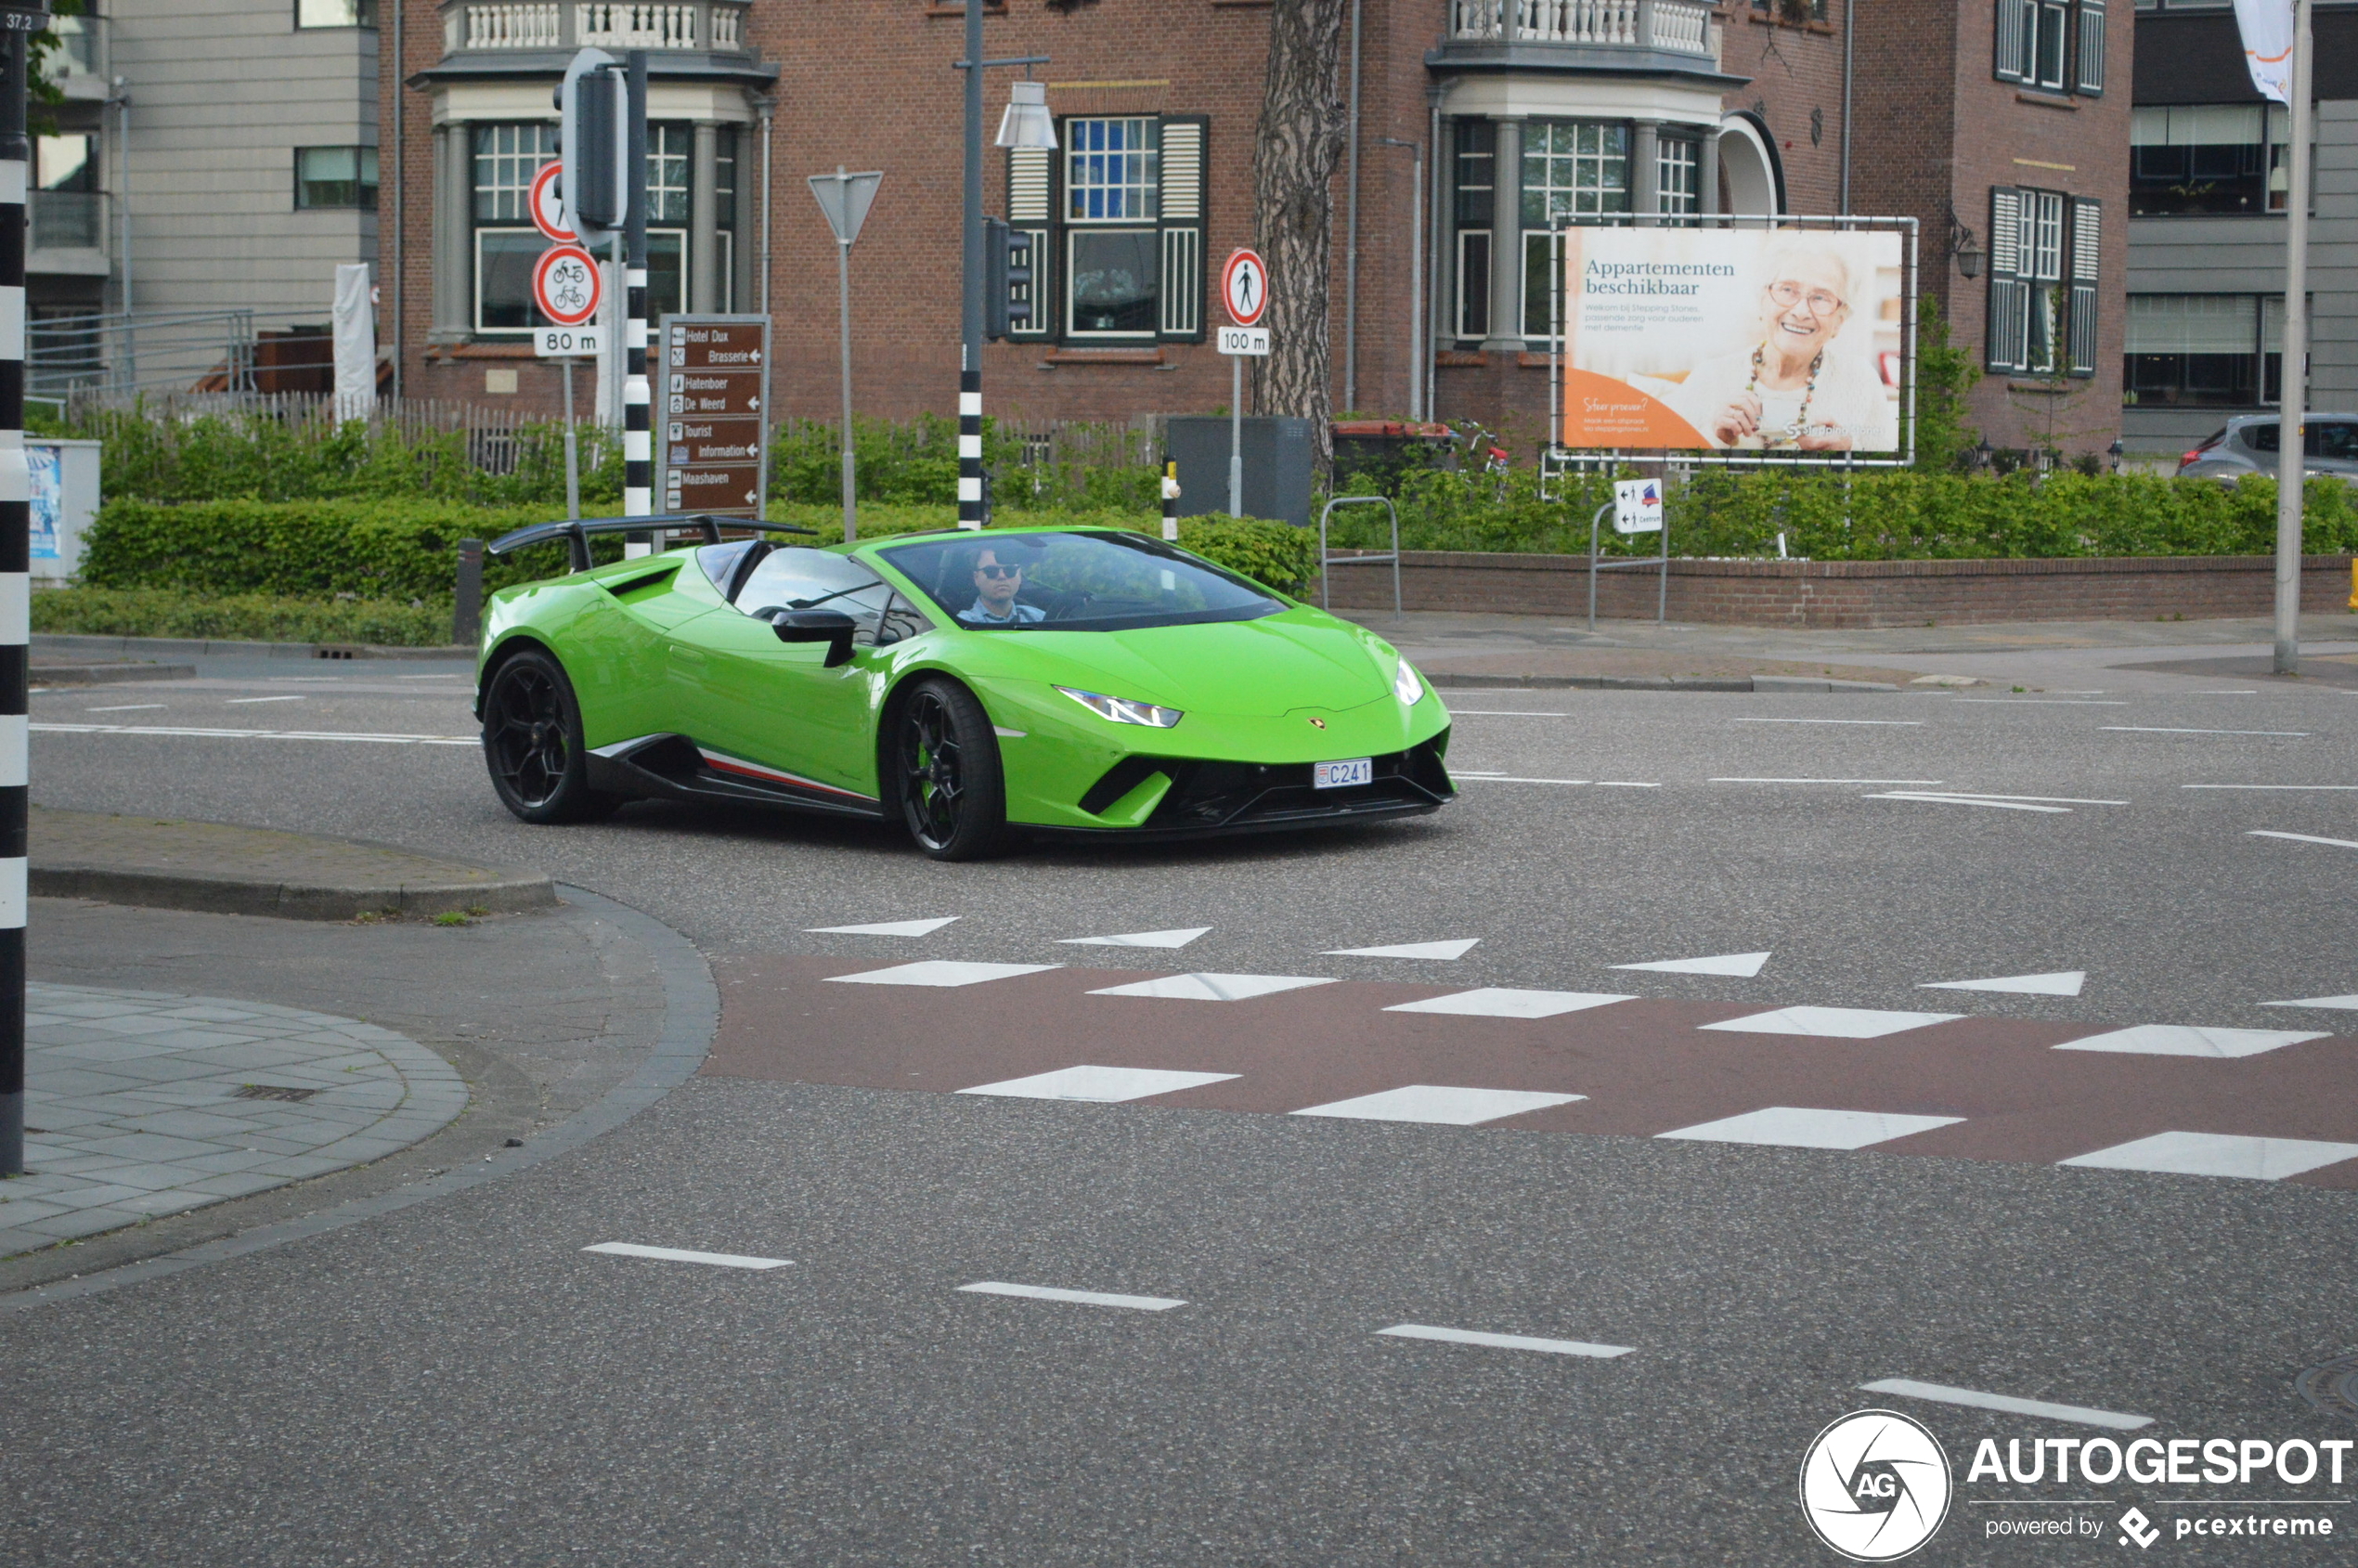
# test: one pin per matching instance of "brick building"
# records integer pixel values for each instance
(1520, 111)
(2003, 127)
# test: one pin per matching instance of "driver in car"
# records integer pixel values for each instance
(996, 585)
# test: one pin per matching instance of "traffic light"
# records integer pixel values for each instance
(1007, 280)
(593, 139)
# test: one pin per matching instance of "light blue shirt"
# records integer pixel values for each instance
(1018, 613)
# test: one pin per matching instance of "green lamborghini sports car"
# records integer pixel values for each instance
(1068, 682)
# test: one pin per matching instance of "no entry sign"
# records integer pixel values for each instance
(1244, 285)
(549, 203)
(564, 285)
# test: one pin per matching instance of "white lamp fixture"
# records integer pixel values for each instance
(1028, 122)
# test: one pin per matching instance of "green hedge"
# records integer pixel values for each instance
(242, 618)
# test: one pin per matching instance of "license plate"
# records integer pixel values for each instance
(1342, 775)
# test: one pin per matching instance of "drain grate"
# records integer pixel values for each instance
(272, 1092)
(2332, 1387)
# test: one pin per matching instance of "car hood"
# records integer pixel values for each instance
(1274, 665)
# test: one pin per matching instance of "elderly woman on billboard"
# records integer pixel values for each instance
(1795, 385)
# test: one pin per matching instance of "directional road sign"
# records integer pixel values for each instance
(1636, 506)
(713, 431)
(549, 203)
(565, 286)
(1244, 285)
(1253, 340)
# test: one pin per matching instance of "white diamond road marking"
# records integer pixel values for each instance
(1105, 1086)
(2340, 1004)
(1177, 938)
(1908, 1389)
(1836, 1023)
(1743, 965)
(942, 972)
(674, 1255)
(883, 929)
(1503, 1341)
(2181, 1039)
(1801, 1127)
(1213, 988)
(2218, 1154)
(1502, 1002)
(2063, 982)
(2304, 838)
(1408, 950)
(1440, 1106)
(1082, 1298)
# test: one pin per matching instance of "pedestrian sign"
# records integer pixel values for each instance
(1636, 506)
(1244, 285)
(565, 286)
(549, 203)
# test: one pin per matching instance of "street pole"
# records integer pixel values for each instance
(970, 303)
(638, 446)
(2292, 445)
(1236, 436)
(572, 451)
(16, 564)
(843, 295)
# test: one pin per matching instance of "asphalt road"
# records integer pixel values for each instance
(460, 1382)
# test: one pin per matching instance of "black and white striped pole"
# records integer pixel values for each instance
(638, 441)
(16, 551)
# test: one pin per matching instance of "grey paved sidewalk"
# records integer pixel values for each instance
(143, 1103)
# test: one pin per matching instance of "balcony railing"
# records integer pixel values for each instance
(473, 25)
(68, 220)
(1674, 26)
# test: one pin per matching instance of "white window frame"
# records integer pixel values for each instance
(1139, 201)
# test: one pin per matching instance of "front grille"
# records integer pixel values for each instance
(1213, 795)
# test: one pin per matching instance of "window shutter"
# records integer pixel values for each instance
(1181, 218)
(2091, 75)
(1031, 207)
(2087, 218)
(2008, 301)
(2013, 31)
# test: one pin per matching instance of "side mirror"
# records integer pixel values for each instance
(831, 627)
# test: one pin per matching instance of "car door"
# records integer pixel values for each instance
(779, 706)
(2333, 447)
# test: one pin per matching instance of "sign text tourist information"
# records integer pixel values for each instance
(712, 415)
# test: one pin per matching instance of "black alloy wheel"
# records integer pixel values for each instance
(945, 765)
(533, 744)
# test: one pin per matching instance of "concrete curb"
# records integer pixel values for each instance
(106, 674)
(185, 648)
(1445, 680)
(508, 892)
(691, 1018)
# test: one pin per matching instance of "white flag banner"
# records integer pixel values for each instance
(2267, 28)
(355, 341)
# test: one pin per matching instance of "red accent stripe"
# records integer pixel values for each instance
(755, 771)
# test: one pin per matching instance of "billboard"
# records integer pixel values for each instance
(1785, 342)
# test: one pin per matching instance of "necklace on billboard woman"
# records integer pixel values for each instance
(1792, 433)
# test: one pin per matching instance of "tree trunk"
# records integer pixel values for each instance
(1295, 150)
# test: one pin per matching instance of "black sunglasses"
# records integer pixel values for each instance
(997, 571)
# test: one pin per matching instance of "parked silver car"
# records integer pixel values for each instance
(2248, 445)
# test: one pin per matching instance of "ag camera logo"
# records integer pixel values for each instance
(1874, 1486)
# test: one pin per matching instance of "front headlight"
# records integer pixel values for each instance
(1406, 687)
(1122, 710)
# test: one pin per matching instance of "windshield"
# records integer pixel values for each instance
(1075, 582)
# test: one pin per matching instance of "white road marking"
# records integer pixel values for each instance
(2302, 838)
(883, 929)
(2339, 1004)
(2048, 800)
(1439, 1104)
(1499, 1002)
(2218, 1154)
(1887, 782)
(1743, 965)
(2183, 1040)
(1910, 1388)
(2063, 982)
(289, 697)
(1080, 1298)
(448, 676)
(1803, 1127)
(1503, 778)
(1102, 1085)
(1179, 937)
(192, 733)
(1969, 800)
(2157, 730)
(2295, 787)
(1503, 1341)
(1624, 783)
(1447, 950)
(2232, 691)
(1832, 1023)
(1904, 722)
(125, 707)
(1503, 713)
(942, 972)
(305, 680)
(1213, 988)
(674, 1255)
(2050, 702)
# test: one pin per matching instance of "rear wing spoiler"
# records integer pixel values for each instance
(576, 532)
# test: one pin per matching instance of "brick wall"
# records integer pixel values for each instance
(1850, 594)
